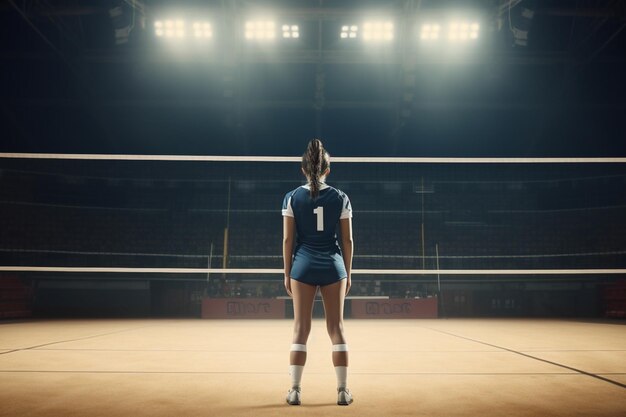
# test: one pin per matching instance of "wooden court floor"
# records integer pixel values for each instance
(445, 367)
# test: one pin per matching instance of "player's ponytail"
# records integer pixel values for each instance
(315, 162)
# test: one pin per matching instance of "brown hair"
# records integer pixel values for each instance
(315, 161)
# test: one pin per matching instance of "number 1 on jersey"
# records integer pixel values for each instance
(319, 212)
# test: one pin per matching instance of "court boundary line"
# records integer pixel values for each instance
(580, 371)
(282, 373)
(361, 351)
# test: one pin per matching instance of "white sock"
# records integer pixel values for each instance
(342, 376)
(295, 371)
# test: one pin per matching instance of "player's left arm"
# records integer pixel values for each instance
(347, 244)
(347, 248)
(289, 233)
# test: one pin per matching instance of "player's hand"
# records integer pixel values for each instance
(288, 285)
(348, 284)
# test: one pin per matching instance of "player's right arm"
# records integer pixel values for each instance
(347, 247)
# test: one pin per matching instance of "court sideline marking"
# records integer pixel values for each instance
(580, 371)
(73, 340)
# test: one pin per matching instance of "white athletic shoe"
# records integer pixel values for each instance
(344, 396)
(293, 396)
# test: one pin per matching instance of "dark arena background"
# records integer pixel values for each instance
(145, 150)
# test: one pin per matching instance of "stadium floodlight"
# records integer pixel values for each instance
(463, 31)
(349, 31)
(474, 28)
(377, 31)
(179, 28)
(202, 30)
(170, 28)
(260, 30)
(291, 31)
(430, 32)
(158, 28)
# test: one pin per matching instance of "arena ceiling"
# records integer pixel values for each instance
(542, 78)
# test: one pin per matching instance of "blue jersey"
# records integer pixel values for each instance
(317, 256)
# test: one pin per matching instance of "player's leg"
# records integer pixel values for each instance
(334, 296)
(303, 297)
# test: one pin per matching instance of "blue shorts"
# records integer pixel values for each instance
(317, 268)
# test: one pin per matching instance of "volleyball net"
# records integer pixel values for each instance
(415, 219)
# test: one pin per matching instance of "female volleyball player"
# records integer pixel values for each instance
(311, 214)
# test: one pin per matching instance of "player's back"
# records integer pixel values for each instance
(317, 219)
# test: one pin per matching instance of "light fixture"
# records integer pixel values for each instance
(122, 22)
(291, 31)
(260, 30)
(378, 31)
(159, 30)
(170, 28)
(463, 31)
(520, 24)
(179, 28)
(202, 30)
(349, 31)
(430, 32)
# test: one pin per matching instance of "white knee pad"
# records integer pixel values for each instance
(340, 348)
(295, 347)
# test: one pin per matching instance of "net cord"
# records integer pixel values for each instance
(353, 159)
(259, 271)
